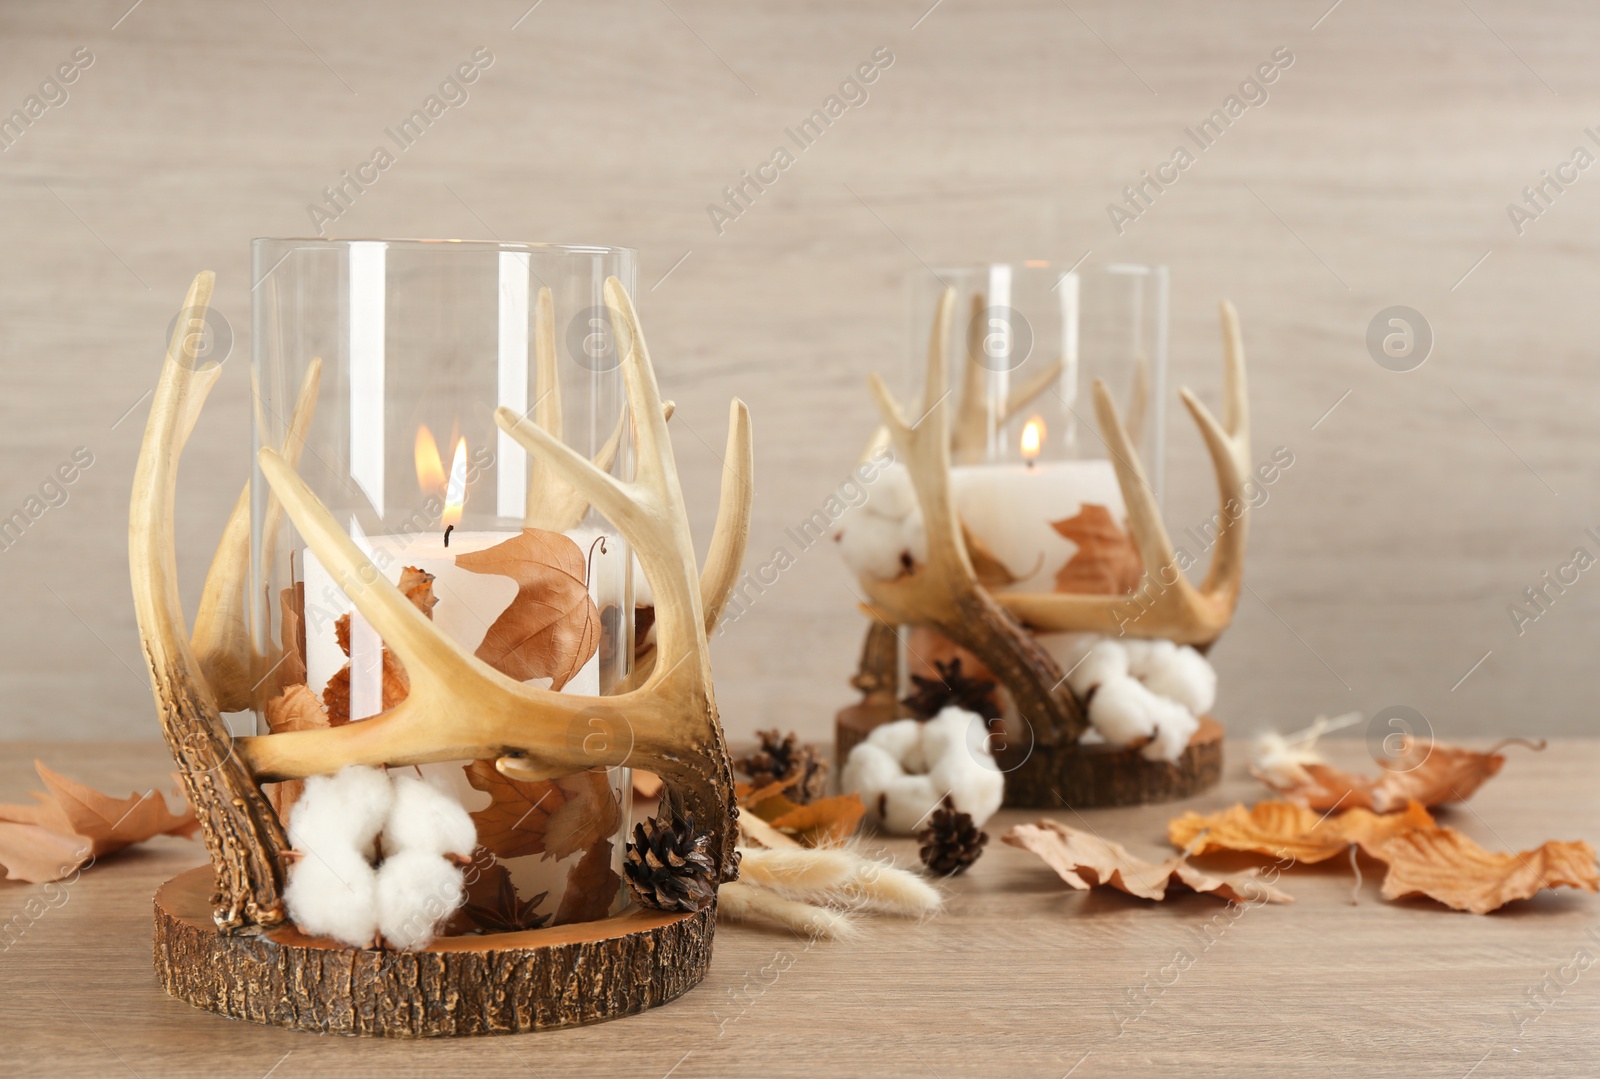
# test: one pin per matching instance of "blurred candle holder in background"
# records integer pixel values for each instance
(420, 342)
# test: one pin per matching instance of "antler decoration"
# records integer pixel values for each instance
(1166, 605)
(459, 708)
(242, 834)
(944, 592)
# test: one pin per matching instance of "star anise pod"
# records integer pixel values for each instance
(952, 687)
(510, 914)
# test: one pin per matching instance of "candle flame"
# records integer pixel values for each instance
(430, 470)
(456, 493)
(1032, 438)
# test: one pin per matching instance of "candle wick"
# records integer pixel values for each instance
(588, 571)
(447, 530)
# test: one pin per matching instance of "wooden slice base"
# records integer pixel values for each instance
(1040, 777)
(501, 984)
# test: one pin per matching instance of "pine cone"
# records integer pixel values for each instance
(951, 841)
(784, 759)
(952, 687)
(668, 865)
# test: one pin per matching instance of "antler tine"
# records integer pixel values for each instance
(732, 532)
(1236, 398)
(972, 427)
(1144, 516)
(221, 640)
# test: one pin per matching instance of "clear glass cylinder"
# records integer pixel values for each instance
(419, 342)
(1031, 476)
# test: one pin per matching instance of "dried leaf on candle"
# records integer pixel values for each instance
(1084, 860)
(1445, 865)
(417, 586)
(1106, 561)
(555, 817)
(73, 823)
(1447, 774)
(592, 887)
(296, 709)
(991, 572)
(552, 626)
(292, 634)
(1284, 829)
(336, 694)
(590, 814)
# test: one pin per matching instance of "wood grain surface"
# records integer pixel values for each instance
(1017, 977)
(1419, 506)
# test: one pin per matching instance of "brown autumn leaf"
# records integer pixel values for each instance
(1285, 829)
(1445, 865)
(990, 571)
(1446, 774)
(74, 823)
(552, 626)
(592, 887)
(1106, 561)
(1084, 860)
(292, 634)
(296, 709)
(417, 586)
(825, 822)
(556, 817)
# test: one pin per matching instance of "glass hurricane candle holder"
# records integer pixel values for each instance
(417, 344)
(1031, 477)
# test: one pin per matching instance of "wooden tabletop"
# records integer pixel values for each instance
(1017, 977)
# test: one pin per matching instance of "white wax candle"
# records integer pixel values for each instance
(1010, 507)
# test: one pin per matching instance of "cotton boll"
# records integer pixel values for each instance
(1123, 711)
(907, 802)
(871, 545)
(346, 809)
(427, 819)
(1146, 657)
(975, 784)
(1184, 676)
(331, 893)
(1107, 661)
(1173, 731)
(902, 740)
(891, 495)
(417, 892)
(868, 771)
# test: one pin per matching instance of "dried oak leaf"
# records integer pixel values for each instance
(1445, 774)
(417, 586)
(74, 823)
(296, 709)
(1084, 860)
(592, 887)
(1284, 829)
(1445, 865)
(555, 817)
(552, 627)
(1106, 561)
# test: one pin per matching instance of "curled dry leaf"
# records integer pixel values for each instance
(1106, 560)
(1443, 774)
(552, 627)
(74, 823)
(1084, 860)
(555, 818)
(990, 571)
(292, 634)
(824, 822)
(1445, 865)
(1284, 829)
(592, 887)
(417, 586)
